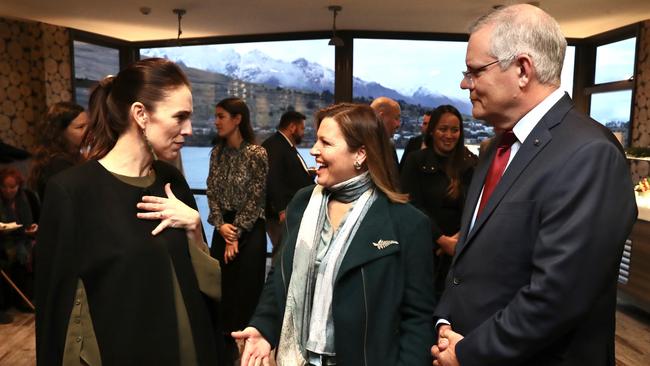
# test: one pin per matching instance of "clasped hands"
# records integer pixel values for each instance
(444, 353)
(447, 244)
(230, 234)
(171, 212)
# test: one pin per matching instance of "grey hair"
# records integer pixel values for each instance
(534, 33)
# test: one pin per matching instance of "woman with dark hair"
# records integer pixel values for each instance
(59, 143)
(122, 265)
(236, 196)
(436, 179)
(353, 282)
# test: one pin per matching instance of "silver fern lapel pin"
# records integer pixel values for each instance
(383, 244)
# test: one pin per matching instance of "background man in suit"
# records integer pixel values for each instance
(533, 279)
(390, 113)
(287, 172)
(416, 143)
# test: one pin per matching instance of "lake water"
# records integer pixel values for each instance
(196, 162)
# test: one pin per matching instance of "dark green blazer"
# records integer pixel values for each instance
(383, 298)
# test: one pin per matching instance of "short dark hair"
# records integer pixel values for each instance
(429, 112)
(290, 117)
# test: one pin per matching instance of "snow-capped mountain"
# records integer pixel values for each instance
(254, 67)
(257, 67)
(430, 98)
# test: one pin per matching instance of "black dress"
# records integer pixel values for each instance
(237, 195)
(56, 165)
(89, 232)
(423, 177)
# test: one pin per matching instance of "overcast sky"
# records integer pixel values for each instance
(407, 65)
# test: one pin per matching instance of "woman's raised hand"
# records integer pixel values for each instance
(171, 212)
(256, 349)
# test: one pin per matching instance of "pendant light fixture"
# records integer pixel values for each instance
(335, 40)
(179, 13)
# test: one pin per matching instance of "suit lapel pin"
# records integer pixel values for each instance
(382, 244)
(536, 142)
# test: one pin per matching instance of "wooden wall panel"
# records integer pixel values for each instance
(34, 73)
(641, 115)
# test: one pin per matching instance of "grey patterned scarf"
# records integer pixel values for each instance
(309, 295)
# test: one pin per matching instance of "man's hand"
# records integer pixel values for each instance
(282, 215)
(444, 353)
(441, 329)
(447, 244)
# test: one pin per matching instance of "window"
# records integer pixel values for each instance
(611, 94)
(613, 110)
(568, 68)
(91, 64)
(615, 61)
(423, 75)
(271, 77)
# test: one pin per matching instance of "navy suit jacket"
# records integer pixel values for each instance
(534, 280)
(286, 174)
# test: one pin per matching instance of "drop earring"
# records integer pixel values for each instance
(148, 143)
(357, 165)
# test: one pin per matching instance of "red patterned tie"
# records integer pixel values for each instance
(497, 167)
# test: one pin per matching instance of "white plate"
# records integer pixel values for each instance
(9, 226)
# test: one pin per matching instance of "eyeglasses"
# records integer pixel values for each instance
(467, 75)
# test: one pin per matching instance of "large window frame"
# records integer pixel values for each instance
(125, 50)
(585, 70)
(584, 63)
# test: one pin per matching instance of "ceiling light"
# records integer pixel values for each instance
(335, 40)
(179, 13)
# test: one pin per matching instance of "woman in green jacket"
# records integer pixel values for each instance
(353, 285)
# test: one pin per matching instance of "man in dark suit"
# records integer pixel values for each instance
(416, 143)
(534, 276)
(287, 172)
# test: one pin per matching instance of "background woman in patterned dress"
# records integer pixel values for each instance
(236, 195)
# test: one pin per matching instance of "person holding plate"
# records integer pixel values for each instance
(16, 238)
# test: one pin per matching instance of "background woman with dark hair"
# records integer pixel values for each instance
(236, 196)
(117, 285)
(353, 282)
(436, 179)
(59, 143)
